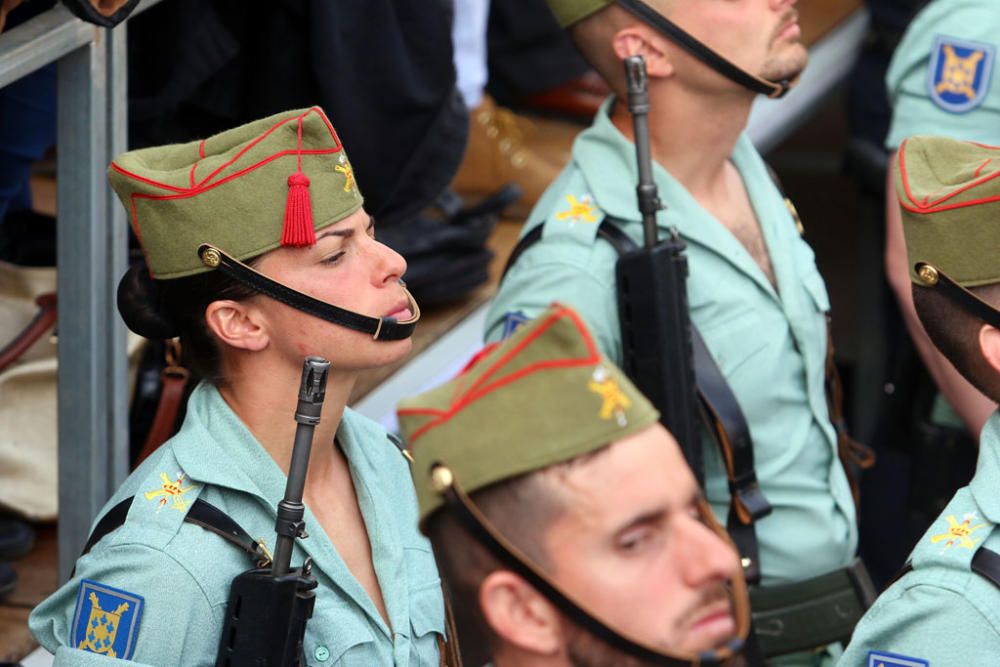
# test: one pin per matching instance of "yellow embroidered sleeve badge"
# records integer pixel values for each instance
(97, 629)
(959, 534)
(171, 490)
(580, 210)
(614, 401)
(959, 73)
(347, 170)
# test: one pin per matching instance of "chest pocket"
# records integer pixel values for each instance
(427, 622)
(735, 341)
(343, 637)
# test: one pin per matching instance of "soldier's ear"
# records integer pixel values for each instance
(989, 345)
(236, 324)
(641, 40)
(525, 621)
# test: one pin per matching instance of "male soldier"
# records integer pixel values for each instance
(943, 80)
(754, 291)
(943, 610)
(575, 493)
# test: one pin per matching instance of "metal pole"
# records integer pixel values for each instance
(87, 343)
(117, 243)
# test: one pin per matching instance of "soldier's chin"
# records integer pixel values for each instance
(788, 66)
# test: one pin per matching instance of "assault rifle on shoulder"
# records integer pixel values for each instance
(268, 607)
(652, 298)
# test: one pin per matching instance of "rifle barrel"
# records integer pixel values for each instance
(638, 106)
(312, 391)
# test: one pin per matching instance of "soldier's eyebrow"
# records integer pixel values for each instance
(345, 233)
(649, 518)
(659, 514)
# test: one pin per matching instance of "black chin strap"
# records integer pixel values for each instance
(933, 277)
(481, 529)
(700, 51)
(379, 328)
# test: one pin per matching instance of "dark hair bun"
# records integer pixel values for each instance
(141, 305)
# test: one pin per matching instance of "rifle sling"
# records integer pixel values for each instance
(986, 564)
(853, 455)
(201, 513)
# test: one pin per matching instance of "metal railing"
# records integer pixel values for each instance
(91, 255)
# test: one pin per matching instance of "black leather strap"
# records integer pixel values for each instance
(380, 328)
(699, 50)
(609, 230)
(201, 513)
(903, 571)
(525, 242)
(959, 295)
(986, 563)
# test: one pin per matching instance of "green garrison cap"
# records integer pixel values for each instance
(568, 12)
(251, 189)
(950, 196)
(544, 395)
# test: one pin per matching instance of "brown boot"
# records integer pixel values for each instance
(496, 155)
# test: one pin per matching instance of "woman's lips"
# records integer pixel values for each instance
(402, 313)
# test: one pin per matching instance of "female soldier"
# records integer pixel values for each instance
(250, 236)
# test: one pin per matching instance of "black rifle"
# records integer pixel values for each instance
(268, 608)
(652, 298)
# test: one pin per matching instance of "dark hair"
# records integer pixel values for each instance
(464, 563)
(163, 309)
(956, 333)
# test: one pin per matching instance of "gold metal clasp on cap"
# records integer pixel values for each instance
(210, 257)
(441, 478)
(928, 274)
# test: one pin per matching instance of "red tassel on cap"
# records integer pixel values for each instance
(298, 230)
(298, 213)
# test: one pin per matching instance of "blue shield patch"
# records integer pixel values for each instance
(879, 659)
(106, 620)
(511, 321)
(959, 74)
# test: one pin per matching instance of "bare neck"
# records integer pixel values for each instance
(691, 135)
(264, 398)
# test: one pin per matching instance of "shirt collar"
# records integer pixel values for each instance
(215, 447)
(606, 158)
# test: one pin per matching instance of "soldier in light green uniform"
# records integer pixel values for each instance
(943, 80)
(943, 610)
(605, 550)
(754, 290)
(278, 194)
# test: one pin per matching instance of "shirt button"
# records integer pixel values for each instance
(322, 653)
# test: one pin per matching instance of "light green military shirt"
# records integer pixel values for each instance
(770, 343)
(941, 613)
(943, 79)
(182, 572)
